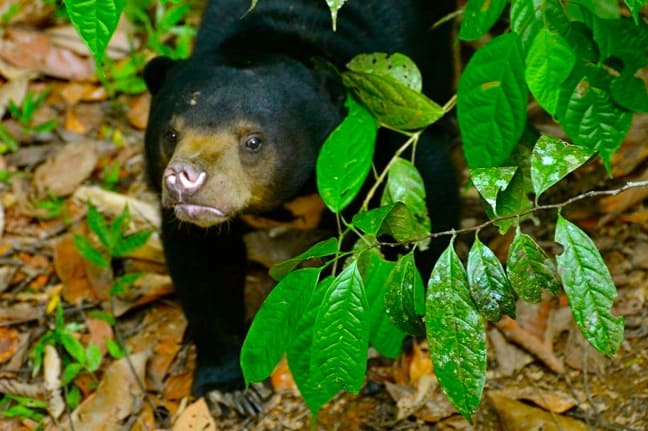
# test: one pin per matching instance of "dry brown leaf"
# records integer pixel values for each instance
(281, 377)
(162, 331)
(612, 206)
(21, 312)
(148, 288)
(515, 416)
(63, 173)
(116, 398)
(15, 90)
(427, 402)
(510, 359)
(421, 364)
(52, 381)
(9, 342)
(99, 332)
(32, 50)
(138, 111)
(27, 11)
(554, 401)
(195, 417)
(71, 269)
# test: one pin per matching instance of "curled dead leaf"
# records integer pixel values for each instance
(55, 174)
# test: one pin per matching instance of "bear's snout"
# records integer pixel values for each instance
(183, 179)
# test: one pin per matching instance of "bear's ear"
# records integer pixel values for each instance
(156, 71)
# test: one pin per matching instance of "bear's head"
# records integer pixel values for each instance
(224, 139)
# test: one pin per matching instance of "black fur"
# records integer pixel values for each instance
(298, 107)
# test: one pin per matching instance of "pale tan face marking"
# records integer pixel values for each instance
(237, 181)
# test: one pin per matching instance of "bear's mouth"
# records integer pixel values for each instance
(201, 215)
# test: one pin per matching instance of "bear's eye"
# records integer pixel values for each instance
(171, 135)
(253, 143)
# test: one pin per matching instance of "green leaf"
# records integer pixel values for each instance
(73, 347)
(551, 161)
(405, 184)
(621, 38)
(315, 391)
(588, 114)
(601, 8)
(95, 21)
(386, 338)
(526, 20)
(131, 243)
(489, 287)
(512, 200)
(630, 92)
(490, 181)
(479, 17)
(405, 296)
(394, 105)
(491, 102)
(73, 397)
(70, 372)
(549, 62)
(327, 247)
(114, 349)
(635, 8)
(118, 225)
(94, 357)
(345, 158)
(273, 326)
(529, 269)
(334, 6)
(371, 222)
(589, 288)
(456, 334)
(341, 333)
(397, 66)
(88, 252)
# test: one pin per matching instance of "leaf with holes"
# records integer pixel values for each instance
(529, 269)
(345, 158)
(589, 288)
(397, 66)
(456, 334)
(489, 182)
(489, 287)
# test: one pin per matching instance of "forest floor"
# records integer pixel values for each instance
(79, 144)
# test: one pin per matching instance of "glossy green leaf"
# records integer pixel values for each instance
(95, 21)
(635, 8)
(73, 347)
(131, 243)
(273, 327)
(589, 115)
(479, 16)
(630, 92)
(315, 391)
(623, 39)
(70, 371)
(88, 252)
(327, 247)
(334, 6)
(405, 184)
(98, 226)
(526, 20)
(384, 336)
(345, 158)
(490, 181)
(456, 334)
(397, 66)
(491, 102)
(490, 289)
(589, 288)
(392, 103)
(548, 64)
(94, 357)
(371, 222)
(530, 269)
(341, 332)
(404, 298)
(551, 161)
(601, 8)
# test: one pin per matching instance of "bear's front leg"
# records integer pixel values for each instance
(208, 271)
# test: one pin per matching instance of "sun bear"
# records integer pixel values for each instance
(236, 129)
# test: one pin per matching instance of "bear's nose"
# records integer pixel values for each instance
(183, 179)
